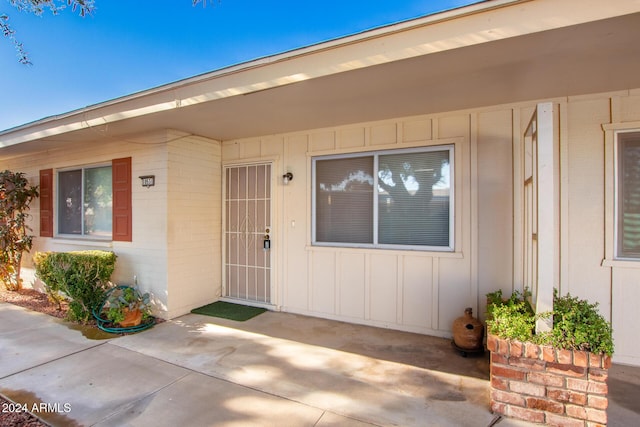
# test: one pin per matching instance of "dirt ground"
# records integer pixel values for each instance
(11, 415)
(33, 300)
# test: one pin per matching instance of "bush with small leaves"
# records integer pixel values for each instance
(577, 324)
(82, 277)
(512, 318)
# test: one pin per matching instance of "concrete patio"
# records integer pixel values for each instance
(276, 369)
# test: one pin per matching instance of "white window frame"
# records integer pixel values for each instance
(611, 131)
(56, 213)
(616, 177)
(375, 154)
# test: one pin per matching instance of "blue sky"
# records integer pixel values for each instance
(131, 45)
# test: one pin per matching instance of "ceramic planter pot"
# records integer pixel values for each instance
(131, 318)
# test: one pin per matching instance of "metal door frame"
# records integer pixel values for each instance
(250, 233)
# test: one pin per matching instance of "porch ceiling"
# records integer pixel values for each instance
(586, 58)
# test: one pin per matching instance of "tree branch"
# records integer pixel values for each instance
(37, 7)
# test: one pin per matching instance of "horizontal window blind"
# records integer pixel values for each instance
(394, 198)
(629, 195)
(414, 199)
(344, 200)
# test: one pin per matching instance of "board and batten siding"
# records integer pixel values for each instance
(388, 288)
(624, 275)
(425, 291)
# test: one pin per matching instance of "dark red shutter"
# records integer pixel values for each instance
(121, 176)
(46, 203)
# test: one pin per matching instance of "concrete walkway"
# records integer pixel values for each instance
(276, 369)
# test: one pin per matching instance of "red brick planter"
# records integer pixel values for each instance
(544, 385)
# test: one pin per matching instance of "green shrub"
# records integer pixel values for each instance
(80, 276)
(577, 325)
(512, 318)
(45, 272)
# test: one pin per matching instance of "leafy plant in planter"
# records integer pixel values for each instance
(556, 377)
(126, 306)
(511, 318)
(123, 310)
(577, 325)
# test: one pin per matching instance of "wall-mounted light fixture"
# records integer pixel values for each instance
(287, 177)
(148, 180)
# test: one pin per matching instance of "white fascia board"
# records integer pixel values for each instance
(467, 26)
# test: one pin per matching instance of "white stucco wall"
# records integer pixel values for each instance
(167, 274)
(193, 234)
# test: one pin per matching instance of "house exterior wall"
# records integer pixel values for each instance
(584, 196)
(176, 251)
(144, 257)
(389, 288)
(194, 210)
(425, 291)
(624, 275)
(161, 215)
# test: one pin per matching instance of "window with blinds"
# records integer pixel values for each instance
(628, 195)
(85, 202)
(385, 199)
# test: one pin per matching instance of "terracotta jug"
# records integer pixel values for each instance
(468, 331)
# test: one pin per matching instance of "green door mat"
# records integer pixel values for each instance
(227, 310)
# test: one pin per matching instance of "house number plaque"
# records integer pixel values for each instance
(148, 180)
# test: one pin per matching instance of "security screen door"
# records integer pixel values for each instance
(247, 225)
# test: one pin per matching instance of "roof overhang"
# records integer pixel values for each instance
(485, 54)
